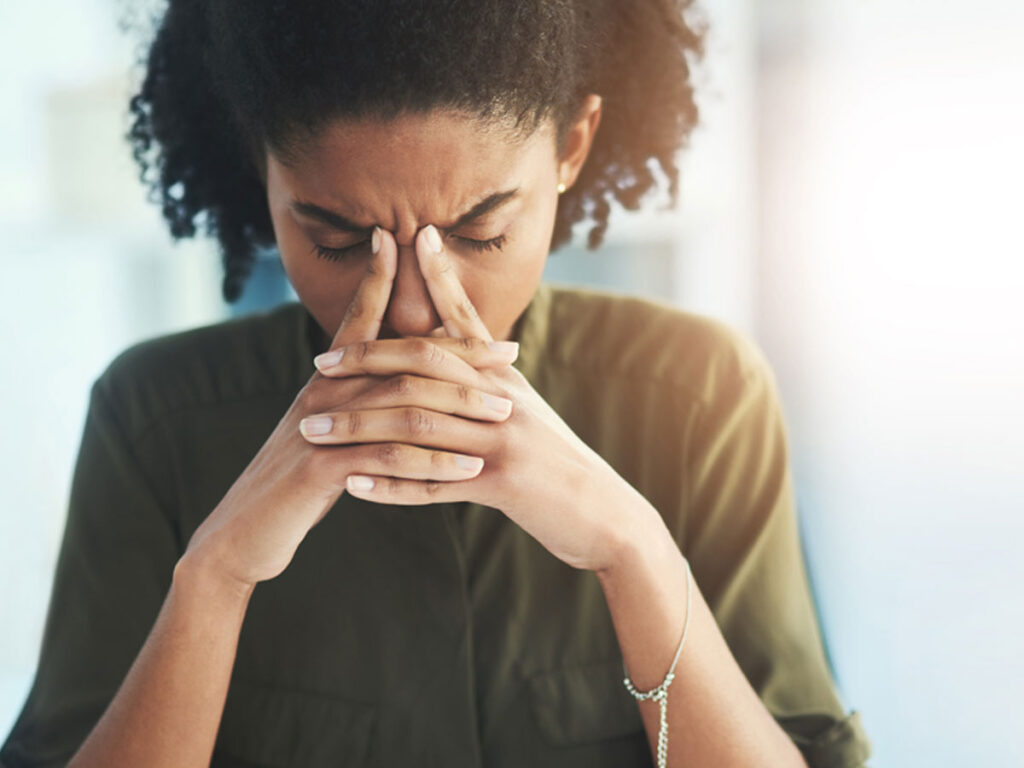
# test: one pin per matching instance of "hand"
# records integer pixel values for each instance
(536, 470)
(290, 485)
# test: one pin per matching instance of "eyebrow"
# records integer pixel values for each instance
(335, 220)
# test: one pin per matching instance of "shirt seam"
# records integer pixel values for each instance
(130, 445)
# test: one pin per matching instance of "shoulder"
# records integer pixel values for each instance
(235, 360)
(619, 335)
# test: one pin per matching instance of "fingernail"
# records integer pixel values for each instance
(375, 240)
(433, 238)
(316, 425)
(506, 348)
(329, 359)
(499, 404)
(469, 463)
(360, 483)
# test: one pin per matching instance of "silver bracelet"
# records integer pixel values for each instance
(660, 693)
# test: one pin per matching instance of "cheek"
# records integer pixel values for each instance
(501, 283)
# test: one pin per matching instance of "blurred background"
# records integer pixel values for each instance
(852, 200)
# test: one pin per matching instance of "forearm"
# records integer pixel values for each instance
(714, 716)
(168, 709)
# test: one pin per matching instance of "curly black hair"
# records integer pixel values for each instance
(223, 79)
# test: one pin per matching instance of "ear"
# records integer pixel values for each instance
(579, 139)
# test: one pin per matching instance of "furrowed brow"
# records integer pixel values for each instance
(342, 223)
(490, 203)
(326, 216)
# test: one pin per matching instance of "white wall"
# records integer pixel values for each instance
(890, 294)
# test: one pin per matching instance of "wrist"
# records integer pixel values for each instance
(642, 538)
(199, 572)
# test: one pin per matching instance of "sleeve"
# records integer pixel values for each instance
(114, 568)
(742, 541)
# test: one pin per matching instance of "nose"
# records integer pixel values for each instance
(410, 309)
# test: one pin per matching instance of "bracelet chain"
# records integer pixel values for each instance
(660, 692)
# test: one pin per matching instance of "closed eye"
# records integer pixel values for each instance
(337, 254)
(495, 243)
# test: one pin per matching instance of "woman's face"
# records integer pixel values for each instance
(412, 171)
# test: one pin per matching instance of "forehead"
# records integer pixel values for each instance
(415, 168)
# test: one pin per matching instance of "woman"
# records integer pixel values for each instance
(458, 550)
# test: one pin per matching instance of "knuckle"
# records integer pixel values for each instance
(394, 485)
(356, 309)
(466, 310)
(439, 267)
(417, 422)
(464, 392)
(353, 422)
(432, 487)
(361, 350)
(388, 454)
(422, 350)
(468, 343)
(401, 385)
(429, 352)
(437, 355)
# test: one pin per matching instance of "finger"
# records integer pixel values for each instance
(453, 306)
(411, 424)
(394, 355)
(394, 490)
(365, 312)
(477, 352)
(410, 461)
(441, 396)
(420, 356)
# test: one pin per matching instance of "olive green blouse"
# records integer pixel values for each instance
(436, 635)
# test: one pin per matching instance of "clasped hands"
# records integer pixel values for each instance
(448, 419)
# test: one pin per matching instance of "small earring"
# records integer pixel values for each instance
(561, 187)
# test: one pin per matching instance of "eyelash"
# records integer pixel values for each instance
(337, 254)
